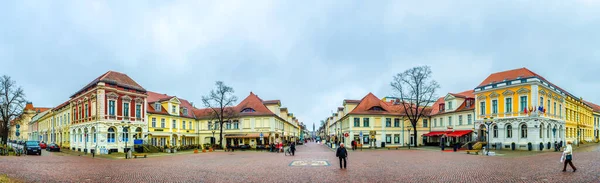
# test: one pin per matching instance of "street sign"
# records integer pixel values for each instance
(17, 134)
(18, 126)
(346, 134)
(361, 134)
(261, 135)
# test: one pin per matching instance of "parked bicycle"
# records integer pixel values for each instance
(288, 151)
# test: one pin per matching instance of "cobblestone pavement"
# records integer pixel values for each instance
(249, 166)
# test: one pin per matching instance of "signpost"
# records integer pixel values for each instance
(17, 133)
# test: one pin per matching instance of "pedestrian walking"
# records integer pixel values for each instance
(353, 145)
(568, 157)
(342, 154)
(293, 148)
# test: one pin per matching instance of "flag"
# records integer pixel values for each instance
(525, 110)
(544, 111)
(541, 108)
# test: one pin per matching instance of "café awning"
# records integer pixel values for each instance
(246, 135)
(436, 133)
(459, 133)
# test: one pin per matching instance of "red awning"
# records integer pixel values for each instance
(459, 133)
(439, 133)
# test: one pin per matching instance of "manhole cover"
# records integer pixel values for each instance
(309, 163)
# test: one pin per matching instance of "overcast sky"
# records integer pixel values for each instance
(311, 55)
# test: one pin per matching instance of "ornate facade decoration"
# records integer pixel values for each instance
(481, 97)
(523, 90)
(494, 95)
(508, 93)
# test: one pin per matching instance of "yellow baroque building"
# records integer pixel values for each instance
(171, 121)
(382, 123)
(252, 117)
(519, 106)
(25, 130)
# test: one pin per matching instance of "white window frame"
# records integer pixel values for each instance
(163, 123)
(123, 109)
(157, 107)
(153, 122)
(506, 107)
(482, 111)
(521, 108)
(494, 109)
(114, 108)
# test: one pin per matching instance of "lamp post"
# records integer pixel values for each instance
(487, 122)
(409, 136)
(125, 127)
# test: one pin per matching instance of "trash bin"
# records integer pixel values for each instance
(382, 144)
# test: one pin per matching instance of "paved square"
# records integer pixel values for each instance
(365, 166)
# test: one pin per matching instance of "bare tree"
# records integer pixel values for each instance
(416, 90)
(12, 101)
(220, 101)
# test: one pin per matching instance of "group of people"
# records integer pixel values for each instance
(278, 147)
(567, 155)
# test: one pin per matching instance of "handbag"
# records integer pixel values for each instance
(562, 158)
(569, 157)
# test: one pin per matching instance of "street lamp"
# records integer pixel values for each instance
(125, 127)
(409, 136)
(488, 122)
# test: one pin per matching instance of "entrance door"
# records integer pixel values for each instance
(412, 140)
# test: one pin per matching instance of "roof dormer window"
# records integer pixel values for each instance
(185, 111)
(377, 108)
(442, 107)
(173, 109)
(248, 110)
(157, 107)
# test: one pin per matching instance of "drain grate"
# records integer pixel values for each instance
(311, 163)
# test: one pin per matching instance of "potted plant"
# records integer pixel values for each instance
(175, 149)
(168, 149)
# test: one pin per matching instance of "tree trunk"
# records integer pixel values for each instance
(4, 135)
(221, 135)
(415, 134)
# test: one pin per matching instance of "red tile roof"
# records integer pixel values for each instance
(435, 108)
(595, 107)
(158, 97)
(465, 94)
(469, 94)
(514, 74)
(115, 78)
(252, 102)
(369, 101)
(509, 75)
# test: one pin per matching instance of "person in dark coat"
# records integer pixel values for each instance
(342, 154)
(293, 148)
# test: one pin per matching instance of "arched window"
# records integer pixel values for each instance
(523, 131)
(541, 130)
(111, 135)
(125, 136)
(509, 131)
(248, 110)
(548, 131)
(495, 131)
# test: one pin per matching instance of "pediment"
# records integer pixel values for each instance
(543, 92)
(494, 95)
(508, 93)
(175, 100)
(139, 100)
(523, 90)
(112, 95)
(449, 97)
(126, 98)
(481, 97)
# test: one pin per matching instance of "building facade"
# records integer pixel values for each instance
(107, 113)
(452, 119)
(381, 123)
(171, 121)
(23, 121)
(519, 106)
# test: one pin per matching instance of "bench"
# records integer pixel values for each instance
(473, 151)
(142, 154)
(392, 147)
